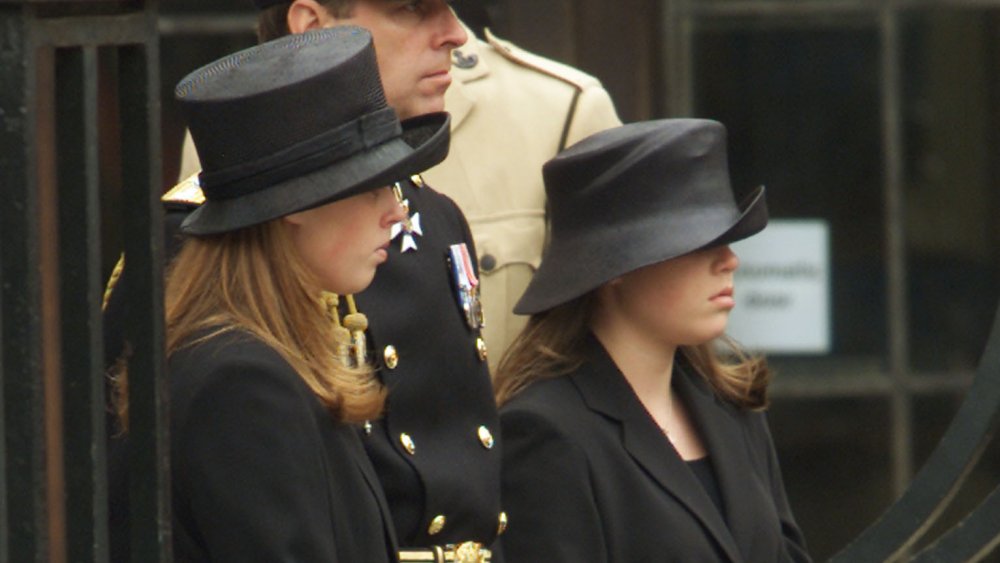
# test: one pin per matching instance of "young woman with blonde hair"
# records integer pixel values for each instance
(298, 148)
(627, 435)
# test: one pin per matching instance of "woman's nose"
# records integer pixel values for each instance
(395, 212)
(727, 260)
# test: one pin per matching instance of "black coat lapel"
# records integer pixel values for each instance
(368, 473)
(606, 391)
(723, 433)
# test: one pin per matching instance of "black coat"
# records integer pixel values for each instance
(439, 392)
(589, 477)
(259, 469)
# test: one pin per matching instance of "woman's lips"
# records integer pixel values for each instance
(724, 298)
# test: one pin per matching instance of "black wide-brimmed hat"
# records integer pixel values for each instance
(295, 123)
(633, 196)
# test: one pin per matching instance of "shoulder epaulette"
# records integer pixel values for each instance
(187, 192)
(555, 69)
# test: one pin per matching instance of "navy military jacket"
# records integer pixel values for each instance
(436, 450)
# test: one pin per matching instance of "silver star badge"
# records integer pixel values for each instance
(409, 228)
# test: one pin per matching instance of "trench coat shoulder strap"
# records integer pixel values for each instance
(575, 78)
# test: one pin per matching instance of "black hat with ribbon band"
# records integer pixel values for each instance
(634, 196)
(295, 123)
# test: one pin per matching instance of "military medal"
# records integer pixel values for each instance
(408, 227)
(466, 284)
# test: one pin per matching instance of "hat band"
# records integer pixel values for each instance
(313, 154)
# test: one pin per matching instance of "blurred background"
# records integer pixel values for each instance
(877, 119)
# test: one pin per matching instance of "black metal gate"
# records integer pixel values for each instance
(56, 58)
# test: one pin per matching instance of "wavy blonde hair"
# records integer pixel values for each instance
(253, 280)
(554, 343)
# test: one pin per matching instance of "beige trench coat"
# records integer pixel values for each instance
(511, 112)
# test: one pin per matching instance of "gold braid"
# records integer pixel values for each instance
(348, 335)
(357, 323)
(113, 281)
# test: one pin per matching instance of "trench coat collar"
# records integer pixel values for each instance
(605, 390)
(467, 65)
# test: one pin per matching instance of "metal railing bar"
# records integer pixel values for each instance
(82, 362)
(207, 24)
(867, 385)
(149, 497)
(24, 475)
(818, 8)
(126, 29)
(770, 8)
(972, 539)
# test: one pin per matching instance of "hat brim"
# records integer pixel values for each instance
(423, 143)
(573, 269)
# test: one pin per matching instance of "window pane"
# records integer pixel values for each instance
(802, 108)
(952, 183)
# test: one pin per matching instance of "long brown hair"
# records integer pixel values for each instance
(253, 280)
(554, 343)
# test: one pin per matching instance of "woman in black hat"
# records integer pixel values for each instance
(298, 148)
(627, 435)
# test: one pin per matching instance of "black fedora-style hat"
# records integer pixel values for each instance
(633, 196)
(295, 123)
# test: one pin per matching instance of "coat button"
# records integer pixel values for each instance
(368, 427)
(502, 523)
(488, 262)
(418, 180)
(391, 357)
(408, 444)
(437, 524)
(486, 437)
(481, 349)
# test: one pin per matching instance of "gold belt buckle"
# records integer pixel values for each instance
(470, 552)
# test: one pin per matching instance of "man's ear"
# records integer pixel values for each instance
(304, 15)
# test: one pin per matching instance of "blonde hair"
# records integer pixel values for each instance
(554, 343)
(253, 280)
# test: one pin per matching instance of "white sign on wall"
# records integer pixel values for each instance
(782, 288)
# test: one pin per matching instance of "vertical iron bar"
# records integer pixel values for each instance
(25, 526)
(149, 490)
(82, 361)
(11, 173)
(895, 236)
(678, 52)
